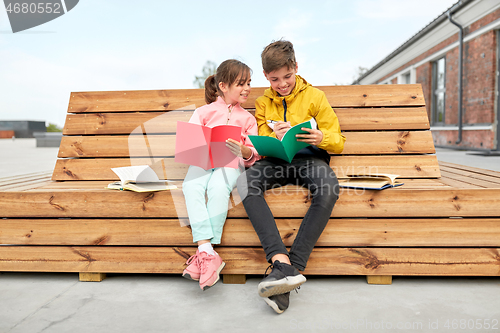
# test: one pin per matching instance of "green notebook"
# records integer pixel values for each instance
(287, 147)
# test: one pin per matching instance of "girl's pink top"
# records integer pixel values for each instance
(217, 113)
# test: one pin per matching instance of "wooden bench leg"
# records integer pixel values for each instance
(234, 278)
(92, 277)
(379, 279)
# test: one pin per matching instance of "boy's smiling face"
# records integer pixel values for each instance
(282, 80)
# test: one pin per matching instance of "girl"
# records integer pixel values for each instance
(224, 92)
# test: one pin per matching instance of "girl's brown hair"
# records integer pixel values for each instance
(227, 72)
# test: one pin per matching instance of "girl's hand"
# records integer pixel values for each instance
(280, 128)
(238, 149)
(314, 137)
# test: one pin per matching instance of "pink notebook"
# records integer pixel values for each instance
(205, 146)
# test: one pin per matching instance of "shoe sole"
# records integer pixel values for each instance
(221, 267)
(274, 306)
(189, 277)
(281, 286)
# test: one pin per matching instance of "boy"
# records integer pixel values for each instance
(289, 101)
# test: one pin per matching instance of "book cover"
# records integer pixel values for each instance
(205, 146)
(142, 187)
(373, 181)
(139, 178)
(287, 147)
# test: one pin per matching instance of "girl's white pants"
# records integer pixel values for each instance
(208, 214)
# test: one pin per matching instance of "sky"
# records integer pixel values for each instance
(106, 45)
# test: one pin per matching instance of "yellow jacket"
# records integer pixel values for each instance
(303, 103)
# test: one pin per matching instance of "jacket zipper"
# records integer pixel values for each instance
(284, 107)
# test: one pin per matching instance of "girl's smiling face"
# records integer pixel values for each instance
(282, 80)
(237, 92)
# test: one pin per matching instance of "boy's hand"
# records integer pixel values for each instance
(238, 149)
(280, 128)
(314, 137)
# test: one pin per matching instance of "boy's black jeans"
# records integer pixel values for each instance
(310, 172)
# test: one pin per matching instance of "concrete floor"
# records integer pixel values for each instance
(49, 302)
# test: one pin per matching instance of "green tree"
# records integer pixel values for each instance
(360, 72)
(53, 128)
(209, 69)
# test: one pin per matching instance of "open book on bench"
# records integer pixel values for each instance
(139, 178)
(372, 181)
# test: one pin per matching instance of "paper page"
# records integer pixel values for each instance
(221, 154)
(292, 146)
(191, 145)
(129, 173)
(149, 187)
(363, 182)
(147, 176)
(390, 178)
(268, 146)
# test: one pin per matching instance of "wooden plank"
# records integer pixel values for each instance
(167, 100)
(379, 279)
(478, 171)
(141, 100)
(288, 202)
(456, 183)
(28, 181)
(345, 232)
(407, 166)
(358, 119)
(374, 95)
(123, 123)
(92, 277)
(23, 177)
(323, 261)
(358, 143)
(402, 142)
(472, 177)
(397, 118)
(234, 278)
(26, 186)
(462, 181)
(100, 185)
(25, 182)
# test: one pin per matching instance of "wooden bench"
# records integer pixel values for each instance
(443, 221)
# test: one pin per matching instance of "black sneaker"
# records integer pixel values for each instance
(282, 279)
(279, 303)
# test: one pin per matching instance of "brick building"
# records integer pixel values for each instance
(431, 57)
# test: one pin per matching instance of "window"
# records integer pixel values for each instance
(438, 91)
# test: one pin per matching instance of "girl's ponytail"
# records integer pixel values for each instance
(210, 89)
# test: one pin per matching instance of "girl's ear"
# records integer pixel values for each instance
(222, 87)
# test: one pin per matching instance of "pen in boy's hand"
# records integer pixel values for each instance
(271, 123)
(280, 128)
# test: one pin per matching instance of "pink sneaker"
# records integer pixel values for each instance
(192, 272)
(210, 267)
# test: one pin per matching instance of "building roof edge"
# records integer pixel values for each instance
(441, 18)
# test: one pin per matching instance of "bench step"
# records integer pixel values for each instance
(250, 260)
(405, 232)
(283, 202)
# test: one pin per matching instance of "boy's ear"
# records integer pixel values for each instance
(296, 67)
(265, 74)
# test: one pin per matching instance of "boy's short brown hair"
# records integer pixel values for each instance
(277, 55)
